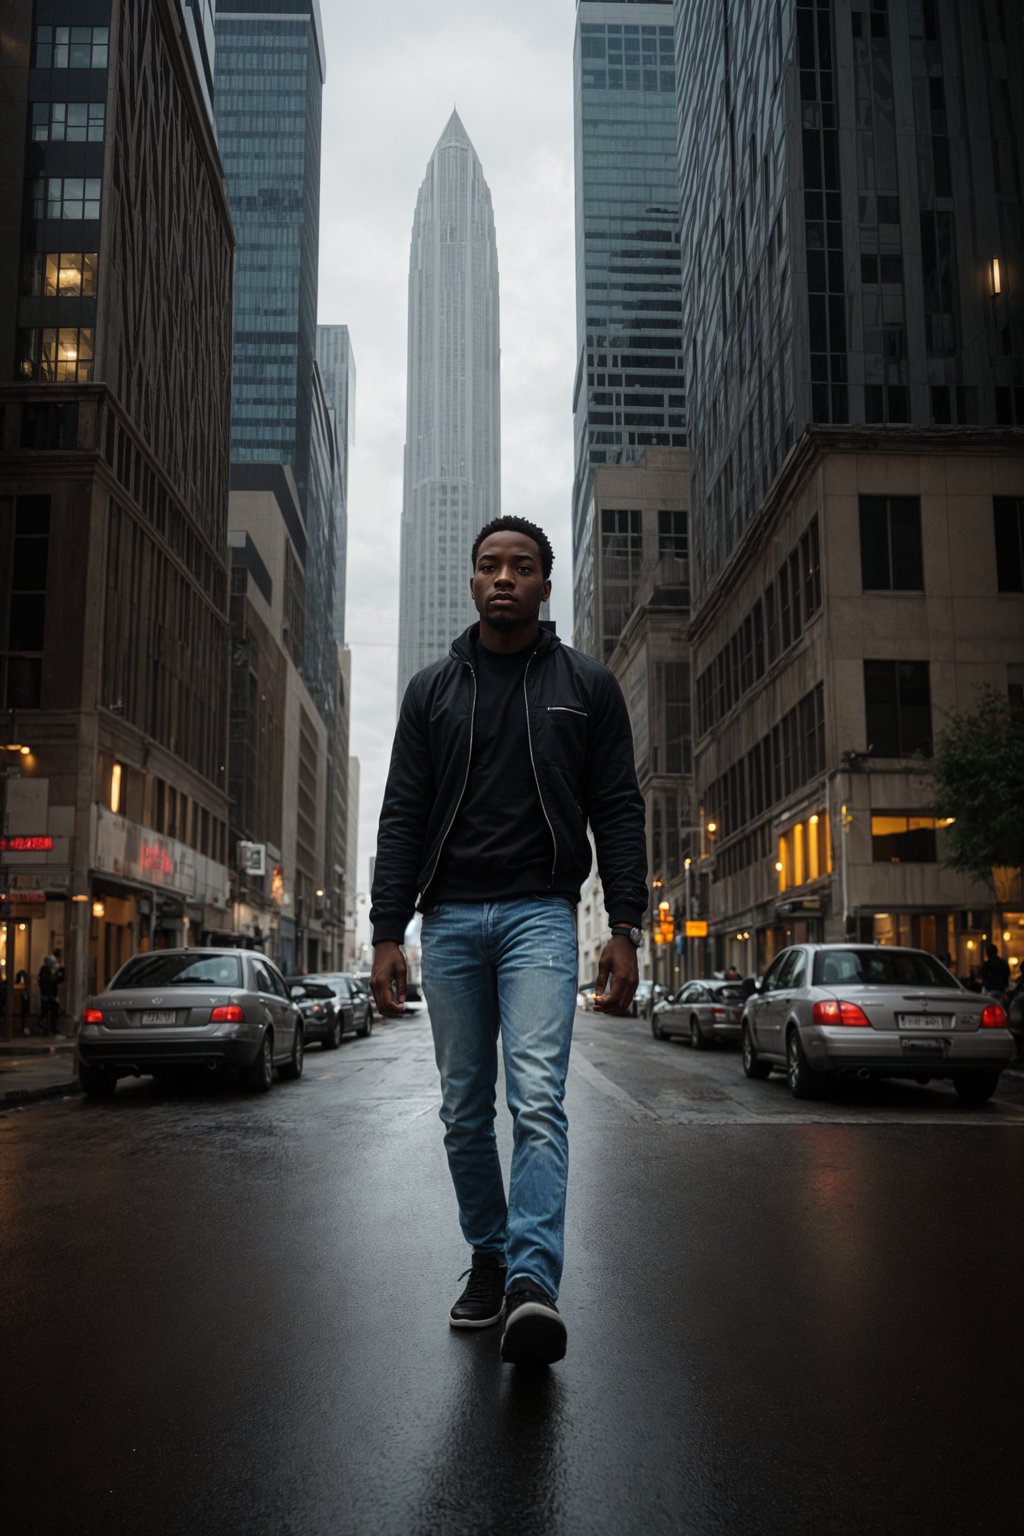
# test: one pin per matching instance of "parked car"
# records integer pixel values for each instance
(322, 1016)
(702, 1011)
(644, 998)
(365, 1007)
(350, 1006)
(175, 1009)
(822, 1010)
(585, 996)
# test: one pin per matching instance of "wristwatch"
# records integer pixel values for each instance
(634, 935)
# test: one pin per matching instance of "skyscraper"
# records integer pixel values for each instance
(269, 72)
(453, 431)
(338, 370)
(628, 393)
(848, 174)
(115, 297)
(852, 221)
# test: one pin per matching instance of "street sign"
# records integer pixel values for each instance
(252, 858)
(20, 843)
(696, 928)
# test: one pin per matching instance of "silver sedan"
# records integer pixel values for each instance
(702, 1011)
(824, 1010)
(175, 1009)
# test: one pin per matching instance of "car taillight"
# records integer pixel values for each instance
(92, 1016)
(718, 1013)
(993, 1016)
(228, 1013)
(318, 1010)
(835, 1012)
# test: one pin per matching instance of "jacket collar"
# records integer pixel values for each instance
(463, 648)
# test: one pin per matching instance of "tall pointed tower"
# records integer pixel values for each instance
(453, 425)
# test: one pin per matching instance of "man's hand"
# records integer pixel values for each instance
(618, 961)
(387, 979)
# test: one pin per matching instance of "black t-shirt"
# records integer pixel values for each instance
(500, 845)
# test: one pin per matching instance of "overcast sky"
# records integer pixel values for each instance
(394, 72)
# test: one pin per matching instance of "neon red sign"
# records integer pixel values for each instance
(20, 844)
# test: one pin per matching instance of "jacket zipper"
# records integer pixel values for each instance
(465, 783)
(533, 765)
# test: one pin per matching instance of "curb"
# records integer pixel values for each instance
(16, 1097)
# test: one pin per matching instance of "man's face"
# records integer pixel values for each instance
(508, 585)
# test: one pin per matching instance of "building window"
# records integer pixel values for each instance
(672, 535)
(71, 47)
(810, 568)
(57, 355)
(1009, 526)
(899, 839)
(66, 197)
(898, 708)
(61, 275)
(72, 122)
(890, 544)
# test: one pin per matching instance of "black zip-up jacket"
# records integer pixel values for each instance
(581, 748)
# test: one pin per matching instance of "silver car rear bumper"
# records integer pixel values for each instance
(899, 1053)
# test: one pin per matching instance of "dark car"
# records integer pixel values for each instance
(176, 1009)
(321, 1015)
(353, 1010)
(702, 1011)
(822, 1010)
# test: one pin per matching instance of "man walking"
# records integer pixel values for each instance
(504, 751)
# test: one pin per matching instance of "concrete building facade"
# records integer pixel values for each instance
(876, 592)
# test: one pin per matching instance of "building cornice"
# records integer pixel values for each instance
(811, 449)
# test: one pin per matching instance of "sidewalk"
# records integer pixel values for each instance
(36, 1067)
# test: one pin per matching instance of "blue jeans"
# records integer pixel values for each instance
(505, 968)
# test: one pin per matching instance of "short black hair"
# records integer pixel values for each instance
(519, 525)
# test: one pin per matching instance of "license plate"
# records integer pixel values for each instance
(156, 1016)
(924, 1021)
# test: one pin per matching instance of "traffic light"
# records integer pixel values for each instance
(665, 925)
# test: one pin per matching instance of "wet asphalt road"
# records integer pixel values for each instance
(224, 1314)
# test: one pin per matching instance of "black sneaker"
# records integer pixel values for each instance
(534, 1333)
(483, 1300)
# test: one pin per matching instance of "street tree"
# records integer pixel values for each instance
(979, 784)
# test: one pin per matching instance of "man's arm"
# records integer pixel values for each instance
(387, 978)
(401, 833)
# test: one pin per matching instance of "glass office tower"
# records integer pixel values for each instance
(338, 371)
(628, 393)
(453, 432)
(269, 79)
(852, 220)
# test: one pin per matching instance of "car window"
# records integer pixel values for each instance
(796, 971)
(277, 981)
(881, 967)
(732, 993)
(263, 982)
(343, 989)
(775, 970)
(177, 969)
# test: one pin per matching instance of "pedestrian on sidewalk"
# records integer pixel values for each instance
(505, 749)
(995, 972)
(49, 1005)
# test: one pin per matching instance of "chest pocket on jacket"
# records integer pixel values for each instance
(566, 738)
